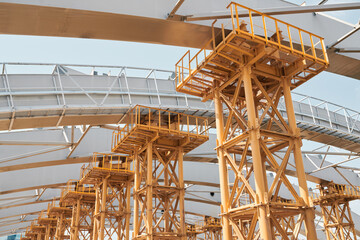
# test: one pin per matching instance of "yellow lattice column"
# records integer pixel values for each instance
(192, 231)
(247, 72)
(212, 228)
(82, 200)
(49, 223)
(112, 177)
(334, 202)
(63, 214)
(158, 140)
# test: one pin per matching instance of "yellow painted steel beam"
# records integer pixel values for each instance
(254, 97)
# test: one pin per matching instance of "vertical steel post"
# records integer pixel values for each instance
(103, 208)
(259, 171)
(137, 181)
(128, 210)
(182, 192)
(96, 212)
(300, 171)
(223, 172)
(47, 232)
(77, 218)
(149, 193)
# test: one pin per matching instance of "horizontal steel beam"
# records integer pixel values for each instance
(31, 143)
(283, 11)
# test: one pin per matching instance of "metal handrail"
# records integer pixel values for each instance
(344, 190)
(282, 40)
(165, 120)
(108, 161)
(72, 185)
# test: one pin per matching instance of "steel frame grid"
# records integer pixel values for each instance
(195, 75)
(112, 178)
(334, 200)
(63, 214)
(248, 74)
(157, 140)
(82, 200)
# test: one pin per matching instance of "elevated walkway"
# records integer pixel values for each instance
(112, 95)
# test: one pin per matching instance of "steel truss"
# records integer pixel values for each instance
(212, 228)
(157, 140)
(50, 225)
(248, 72)
(112, 178)
(82, 200)
(158, 201)
(208, 229)
(334, 202)
(192, 231)
(63, 214)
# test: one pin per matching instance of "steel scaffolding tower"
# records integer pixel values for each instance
(50, 225)
(157, 140)
(192, 231)
(63, 214)
(29, 234)
(212, 228)
(334, 202)
(82, 200)
(249, 68)
(112, 177)
(37, 231)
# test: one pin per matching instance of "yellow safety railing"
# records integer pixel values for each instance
(276, 32)
(158, 119)
(337, 189)
(73, 186)
(108, 161)
(258, 27)
(194, 228)
(211, 221)
(52, 204)
(42, 215)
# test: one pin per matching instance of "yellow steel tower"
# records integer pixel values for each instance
(82, 200)
(250, 67)
(212, 228)
(192, 231)
(334, 202)
(112, 177)
(37, 230)
(49, 223)
(63, 214)
(157, 140)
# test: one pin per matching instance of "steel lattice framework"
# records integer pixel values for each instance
(249, 73)
(334, 202)
(157, 140)
(251, 97)
(82, 200)
(112, 177)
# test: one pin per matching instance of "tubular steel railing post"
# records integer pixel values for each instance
(265, 31)
(328, 113)
(277, 33)
(312, 46)
(301, 42)
(251, 24)
(237, 17)
(311, 109)
(290, 40)
(232, 17)
(347, 121)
